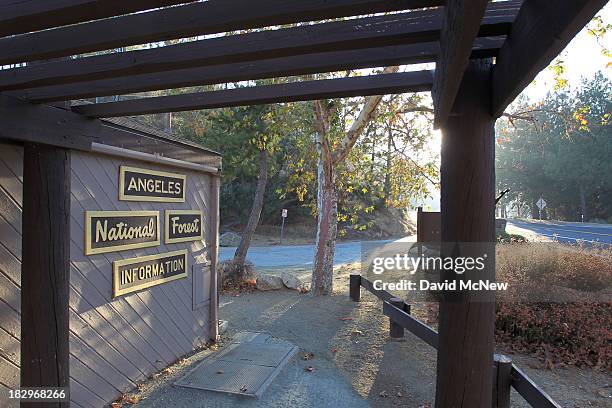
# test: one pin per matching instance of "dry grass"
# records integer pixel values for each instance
(558, 306)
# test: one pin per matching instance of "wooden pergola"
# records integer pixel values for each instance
(485, 52)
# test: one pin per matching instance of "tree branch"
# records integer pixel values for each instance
(365, 116)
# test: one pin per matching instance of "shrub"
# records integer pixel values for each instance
(504, 237)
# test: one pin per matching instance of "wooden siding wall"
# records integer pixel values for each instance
(114, 343)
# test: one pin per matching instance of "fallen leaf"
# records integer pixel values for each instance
(334, 350)
(383, 394)
(308, 356)
(357, 333)
(310, 369)
(399, 394)
(243, 388)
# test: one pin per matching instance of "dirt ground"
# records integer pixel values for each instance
(350, 340)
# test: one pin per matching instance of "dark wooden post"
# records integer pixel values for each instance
(396, 331)
(214, 258)
(465, 354)
(502, 370)
(45, 267)
(355, 287)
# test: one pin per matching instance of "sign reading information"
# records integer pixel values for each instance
(131, 275)
(183, 226)
(150, 185)
(108, 231)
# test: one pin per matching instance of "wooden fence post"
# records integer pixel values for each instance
(355, 287)
(45, 268)
(396, 331)
(501, 381)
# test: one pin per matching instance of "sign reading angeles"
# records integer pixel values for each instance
(150, 185)
(108, 231)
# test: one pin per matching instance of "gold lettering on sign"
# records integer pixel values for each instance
(183, 226)
(108, 231)
(122, 231)
(150, 185)
(130, 275)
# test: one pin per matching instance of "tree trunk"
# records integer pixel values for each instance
(387, 187)
(327, 228)
(535, 211)
(583, 203)
(247, 234)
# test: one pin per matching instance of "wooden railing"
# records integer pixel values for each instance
(505, 373)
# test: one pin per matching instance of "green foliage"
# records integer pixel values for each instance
(386, 167)
(505, 238)
(560, 149)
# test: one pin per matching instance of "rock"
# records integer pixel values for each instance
(291, 281)
(427, 251)
(230, 239)
(269, 282)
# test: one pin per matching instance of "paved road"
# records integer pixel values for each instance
(347, 252)
(565, 232)
(299, 255)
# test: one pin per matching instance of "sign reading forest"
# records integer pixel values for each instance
(183, 226)
(131, 275)
(108, 231)
(149, 185)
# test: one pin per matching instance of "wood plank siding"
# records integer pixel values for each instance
(114, 343)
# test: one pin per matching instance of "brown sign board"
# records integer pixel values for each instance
(131, 275)
(429, 225)
(183, 226)
(108, 231)
(150, 185)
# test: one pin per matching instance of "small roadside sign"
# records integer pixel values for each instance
(541, 203)
(284, 215)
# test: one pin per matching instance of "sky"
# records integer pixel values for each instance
(582, 58)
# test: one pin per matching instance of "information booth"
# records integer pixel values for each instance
(143, 239)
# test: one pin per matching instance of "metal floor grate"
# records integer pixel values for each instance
(245, 367)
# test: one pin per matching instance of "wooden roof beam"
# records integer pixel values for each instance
(396, 29)
(212, 16)
(460, 28)
(271, 68)
(419, 81)
(22, 16)
(26, 122)
(543, 28)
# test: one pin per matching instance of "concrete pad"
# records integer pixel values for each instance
(245, 367)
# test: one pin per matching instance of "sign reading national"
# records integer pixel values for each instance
(150, 185)
(108, 231)
(183, 226)
(131, 275)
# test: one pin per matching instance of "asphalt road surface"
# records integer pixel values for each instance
(348, 252)
(299, 255)
(565, 232)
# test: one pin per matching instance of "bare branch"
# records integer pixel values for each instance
(365, 116)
